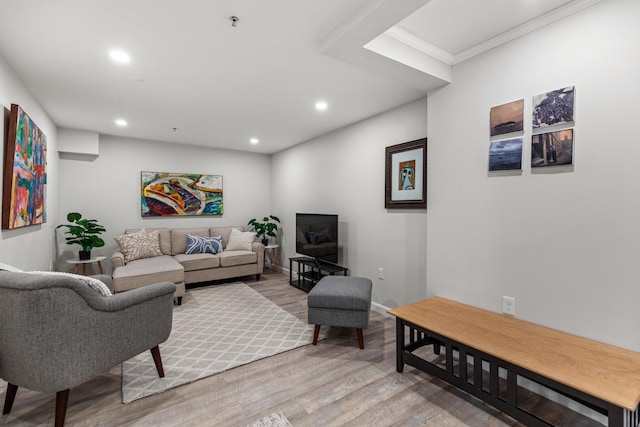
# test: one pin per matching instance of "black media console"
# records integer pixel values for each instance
(310, 271)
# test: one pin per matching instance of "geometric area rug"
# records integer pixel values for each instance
(217, 328)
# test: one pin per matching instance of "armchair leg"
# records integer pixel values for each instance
(360, 338)
(316, 332)
(155, 352)
(12, 389)
(62, 398)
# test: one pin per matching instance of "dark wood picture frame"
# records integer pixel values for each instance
(401, 162)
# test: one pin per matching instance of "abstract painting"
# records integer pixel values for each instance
(25, 175)
(552, 149)
(181, 194)
(505, 155)
(406, 175)
(506, 118)
(553, 108)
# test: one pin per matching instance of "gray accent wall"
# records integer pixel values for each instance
(343, 173)
(563, 242)
(29, 248)
(107, 187)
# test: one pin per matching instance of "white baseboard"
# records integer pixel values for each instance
(382, 309)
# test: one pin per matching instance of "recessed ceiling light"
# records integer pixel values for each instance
(254, 140)
(121, 122)
(120, 56)
(321, 105)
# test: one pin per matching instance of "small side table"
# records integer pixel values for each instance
(76, 262)
(274, 255)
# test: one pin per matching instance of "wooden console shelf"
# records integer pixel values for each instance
(600, 376)
(310, 271)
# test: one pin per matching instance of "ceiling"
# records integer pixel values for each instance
(194, 78)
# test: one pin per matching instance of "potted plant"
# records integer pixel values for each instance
(84, 232)
(265, 228)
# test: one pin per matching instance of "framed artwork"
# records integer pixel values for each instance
(180, 194)
(553, 108)
(507, 118)
(505, 155)
(552, 149)
(25, 172)
(406, 175)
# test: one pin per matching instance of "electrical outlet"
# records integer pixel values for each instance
(380, 273)
(509, 306)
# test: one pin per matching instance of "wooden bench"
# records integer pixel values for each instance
(600, 376)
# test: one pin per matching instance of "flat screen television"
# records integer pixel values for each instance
(317, 236)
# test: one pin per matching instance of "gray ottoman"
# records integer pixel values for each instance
(340, 301)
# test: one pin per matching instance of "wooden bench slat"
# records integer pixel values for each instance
(609, 373)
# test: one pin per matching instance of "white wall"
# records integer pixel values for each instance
(343, 173)
(108, 188)
(29, 248)
(564, 242)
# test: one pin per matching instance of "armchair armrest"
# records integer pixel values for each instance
(124, 300)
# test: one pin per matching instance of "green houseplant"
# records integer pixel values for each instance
(265, 228)
(84, 232)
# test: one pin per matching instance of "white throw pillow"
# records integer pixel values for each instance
(240, 241)
(7, 267)
(94, 284)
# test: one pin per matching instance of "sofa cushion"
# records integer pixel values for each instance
(192, 262)
(179, 238)
(143, 244)
(240, 241)
(164, 236)
(231, 258)
(224, 232)
(203, 245)
(147, 271)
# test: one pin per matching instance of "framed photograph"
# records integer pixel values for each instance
(25, 172)
(506, 118)
(406, 175)
(553, 108)
(505, 155)
(552, 149)
(180, 194)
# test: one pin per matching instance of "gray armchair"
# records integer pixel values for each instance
(56, 332)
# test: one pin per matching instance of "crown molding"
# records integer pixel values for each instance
(415, 42)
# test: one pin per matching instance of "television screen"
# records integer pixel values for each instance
(317, 236)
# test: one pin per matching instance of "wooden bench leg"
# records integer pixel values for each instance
(316, 332)
(360, 338)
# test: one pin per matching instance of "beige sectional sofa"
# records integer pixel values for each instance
(174, 265)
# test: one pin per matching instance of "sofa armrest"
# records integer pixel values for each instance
(258, 248)
(117, 259)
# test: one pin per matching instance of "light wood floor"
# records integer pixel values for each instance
(331, 384)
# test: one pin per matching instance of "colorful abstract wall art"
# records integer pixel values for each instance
(181, 194)
(25, 174)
